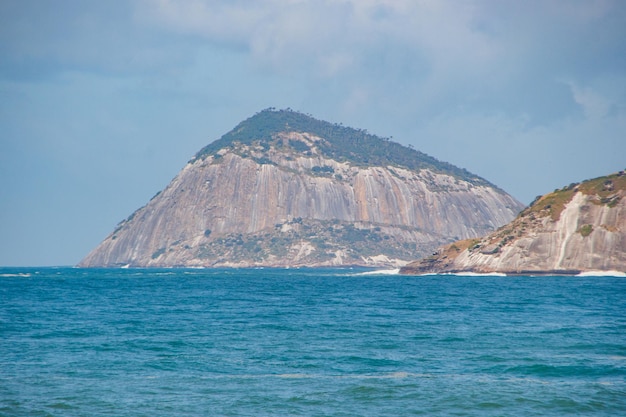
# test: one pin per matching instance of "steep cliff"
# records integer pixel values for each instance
(284, 189)
(580, 228)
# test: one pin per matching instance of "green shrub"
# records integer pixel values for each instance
(299, 146)
(323, 170)
(585, 230)
(341, 143)
(158, 253)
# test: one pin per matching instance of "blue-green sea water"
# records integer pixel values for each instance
(308, 342)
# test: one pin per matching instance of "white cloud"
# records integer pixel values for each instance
(331, 35)
(594, 105)
(601, 97)
(432, 52)
(216, 20)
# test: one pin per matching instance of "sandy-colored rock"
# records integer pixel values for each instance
(581, 228)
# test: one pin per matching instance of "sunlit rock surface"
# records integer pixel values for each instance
(290, 198)
(580, 228)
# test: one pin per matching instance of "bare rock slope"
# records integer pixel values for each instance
(284, 189)
(580, 228)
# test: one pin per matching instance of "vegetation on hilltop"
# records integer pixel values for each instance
(605, 189)
(341, 143)
(531, 224)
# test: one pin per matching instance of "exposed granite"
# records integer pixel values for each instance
(269, 204)
(577, 229)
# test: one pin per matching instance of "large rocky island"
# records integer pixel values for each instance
(578, 229)
(284, 189)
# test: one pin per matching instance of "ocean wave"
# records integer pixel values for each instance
(467, 274)
(477, 274)
(602, 274)
(380, 272)
(383, 375)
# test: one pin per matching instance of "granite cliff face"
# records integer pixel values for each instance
(284, 189)
(580, 228)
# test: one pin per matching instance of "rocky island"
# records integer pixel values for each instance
(580, 228)
(283, 189)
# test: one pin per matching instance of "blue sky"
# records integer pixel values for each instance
(103, 102)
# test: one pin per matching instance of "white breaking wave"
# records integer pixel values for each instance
(381, 272)
(476, 274)
(602, 274)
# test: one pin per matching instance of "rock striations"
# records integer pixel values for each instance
(285, 189)
(578, 229)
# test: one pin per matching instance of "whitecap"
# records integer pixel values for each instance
(294, 376)
(381, 272)
(602, 274)
(464, 274)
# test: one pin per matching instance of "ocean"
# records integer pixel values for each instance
(308, 342)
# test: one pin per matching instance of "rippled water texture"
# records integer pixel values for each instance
(308, 343)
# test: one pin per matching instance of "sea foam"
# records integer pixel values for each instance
(381, 272)
(602, 274)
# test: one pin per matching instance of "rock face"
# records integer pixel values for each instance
(580, 228)
(284, 189)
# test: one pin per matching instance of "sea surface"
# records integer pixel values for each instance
(308, 342)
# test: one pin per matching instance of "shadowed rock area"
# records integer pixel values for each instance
(580, 228)
(285, 189)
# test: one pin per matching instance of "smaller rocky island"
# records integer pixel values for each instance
(578, 229)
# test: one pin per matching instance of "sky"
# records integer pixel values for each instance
(102, 103)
